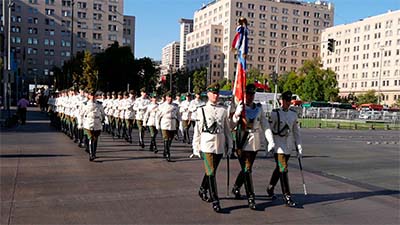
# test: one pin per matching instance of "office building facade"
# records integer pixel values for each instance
(273, 24)
(170, 58)
(186, 26)
(46, 33)
(366, 56)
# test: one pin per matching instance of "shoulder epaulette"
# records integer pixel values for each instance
(275, 110)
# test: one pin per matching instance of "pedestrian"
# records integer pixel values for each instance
(22, 107)
(286, 136)
(93, 114)
(249, 143)
(140, 107)
(130, 114)
(212, 135)
(168, 118)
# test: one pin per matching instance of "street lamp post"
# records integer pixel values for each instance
(382, 47)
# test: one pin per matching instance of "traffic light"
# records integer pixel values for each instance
(331, 44)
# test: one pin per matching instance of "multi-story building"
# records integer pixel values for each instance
(186, 26)
(46, 33)
(366, 56)
(170, 58)
(129, 32)
(273, 24)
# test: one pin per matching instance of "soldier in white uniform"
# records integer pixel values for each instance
(193, 107)
(179, 127)
(93, 114)
(118, 111)
(212, 135)
(251, 131)
(151, 121)
(168, 117)
(81, 100)
(140, 107)
(185, 115)
(286, 135)
(130, 114)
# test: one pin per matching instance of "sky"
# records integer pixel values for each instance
(157, 20)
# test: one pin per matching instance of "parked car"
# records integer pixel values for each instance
(370, 115)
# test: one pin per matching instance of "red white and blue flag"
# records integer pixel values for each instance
(240, 42)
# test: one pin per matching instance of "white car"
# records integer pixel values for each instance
(370, 115)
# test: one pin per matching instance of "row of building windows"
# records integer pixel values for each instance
(285, 11)
(377, 26)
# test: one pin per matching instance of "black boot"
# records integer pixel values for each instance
(155, 145)
(91, 150)
(237, 185)
(203, 193)
(165, 148)
(169, 150)
(187, 135)
(151, 145)
(286, 190)
(270, 192)
(248, 184)
(214, 193)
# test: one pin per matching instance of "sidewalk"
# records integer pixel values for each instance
(47, 179)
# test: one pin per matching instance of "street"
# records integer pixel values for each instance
(352, 177)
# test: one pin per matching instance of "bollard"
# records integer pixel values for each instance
(338, 126)
(300, 125)
(372, 127)
(355, 126)
(319, 125)
(387, 127)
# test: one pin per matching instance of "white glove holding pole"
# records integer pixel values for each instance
(299, 151)
(239, 109)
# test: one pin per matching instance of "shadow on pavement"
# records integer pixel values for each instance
(32, 155)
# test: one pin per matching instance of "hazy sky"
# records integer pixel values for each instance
(157, 20)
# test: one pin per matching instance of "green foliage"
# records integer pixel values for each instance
(90, 75)
(369, 97)
(227, 86)
(199, 80)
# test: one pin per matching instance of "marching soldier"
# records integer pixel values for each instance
(150, 121)
(141, 104)
(193, 107)
(211, 136)
(93, 114)
(118, 113)
(286, 135)
(185, 115)
(251, 135)
(81, 100)
(168, 118)
(130, 114)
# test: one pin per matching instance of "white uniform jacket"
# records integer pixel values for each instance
(141, 107)
(151, 116)
(184, 110)
(220, 135)
(116, 107)
(168, 116)
(258, 130)
(93, 115)
(129, 111)
(285, 131)
(194, 105)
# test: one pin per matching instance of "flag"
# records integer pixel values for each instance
(240, 42)
(259, 85)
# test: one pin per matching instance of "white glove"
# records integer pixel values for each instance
(299, 151)
(271, 147)
(239, 109)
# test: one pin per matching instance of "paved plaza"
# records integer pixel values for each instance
(352, 177)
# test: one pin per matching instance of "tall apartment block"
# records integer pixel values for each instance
(170, 58)
(186, 26)
(273, 24)
(366, 56)
(45, 33)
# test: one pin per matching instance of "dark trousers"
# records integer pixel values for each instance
(22, 115)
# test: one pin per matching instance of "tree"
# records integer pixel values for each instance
(90, 75)
(199, 80)
(369, 97)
